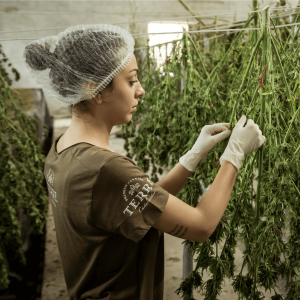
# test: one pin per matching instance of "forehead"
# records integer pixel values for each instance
(132, 65)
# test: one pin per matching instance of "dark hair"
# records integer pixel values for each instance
(86, 106)
(40, 58)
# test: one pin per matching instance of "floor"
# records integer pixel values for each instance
(54, 287)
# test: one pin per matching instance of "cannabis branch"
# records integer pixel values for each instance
(255, 73)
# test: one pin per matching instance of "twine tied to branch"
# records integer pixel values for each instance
(260, 78)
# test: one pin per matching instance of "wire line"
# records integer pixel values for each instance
(138, 34)
(107, 13)
(176, 41)
(147, 12)
(194, 31)
(175, 18)
(130, 22)
(146, 1)
(52, 28)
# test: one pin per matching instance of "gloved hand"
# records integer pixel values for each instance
(243, 141)
(209, 136)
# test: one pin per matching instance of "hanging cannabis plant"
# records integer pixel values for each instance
(21, 176)
(255, 73)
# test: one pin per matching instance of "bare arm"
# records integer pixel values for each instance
(198, 223)
(174, 181)
(213, 204)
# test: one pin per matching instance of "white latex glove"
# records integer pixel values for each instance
(209, 136)
(243, 141)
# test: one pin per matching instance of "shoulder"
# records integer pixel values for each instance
(119, 170)
(121, 165)
(121, 160)
(95, 158)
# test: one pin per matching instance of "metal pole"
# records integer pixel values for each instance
(187, 264)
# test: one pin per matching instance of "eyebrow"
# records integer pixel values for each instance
(134, 70)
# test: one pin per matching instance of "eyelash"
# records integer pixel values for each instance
(133, 82)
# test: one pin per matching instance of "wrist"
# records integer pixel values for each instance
(191, 160)
(233, 157)
(226, 162)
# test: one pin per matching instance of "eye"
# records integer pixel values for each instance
(133, 82)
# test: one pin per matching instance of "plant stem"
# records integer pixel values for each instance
(281, 68)
(284, 79)
(296, 34)
(254, 97)
(249, 49)
(264, 61)
(254, 4)
(217, 67)
(244, 78)
(201, 61)
(189, 10)
(292, 121)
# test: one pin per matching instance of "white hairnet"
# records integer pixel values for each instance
(64, 64)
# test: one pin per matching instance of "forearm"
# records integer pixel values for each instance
(174, 181)
(213, 204)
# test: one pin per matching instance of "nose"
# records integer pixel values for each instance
(140, 92)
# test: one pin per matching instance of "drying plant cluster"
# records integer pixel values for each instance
(252, 72)
(21, 175)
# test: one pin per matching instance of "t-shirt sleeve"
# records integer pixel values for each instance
(125, 200)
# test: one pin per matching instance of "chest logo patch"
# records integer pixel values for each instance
(50, 182)
(137, 193)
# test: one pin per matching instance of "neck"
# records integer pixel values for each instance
(95, 133)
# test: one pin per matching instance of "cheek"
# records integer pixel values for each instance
(128, 96)
(130, 90)
(124, 98)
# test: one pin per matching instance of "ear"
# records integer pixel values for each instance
(98, 97)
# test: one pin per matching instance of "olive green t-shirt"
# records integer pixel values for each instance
(104, 207)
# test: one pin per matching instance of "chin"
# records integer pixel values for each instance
(129, 118)
(126, 120)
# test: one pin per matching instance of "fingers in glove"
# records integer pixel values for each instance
(262, 140)
(217, 128)
(221, 136)
(224, 124)
(250, 123)
(241, 121)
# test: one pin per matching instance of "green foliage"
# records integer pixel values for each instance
(21, 174)
(221, 86)
(3, 72)
(193, 280)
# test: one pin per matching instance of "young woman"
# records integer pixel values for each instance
(110, 218)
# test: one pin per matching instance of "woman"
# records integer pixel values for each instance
(110, 218)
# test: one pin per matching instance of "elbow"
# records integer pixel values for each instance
(203, 236)
(205, 233)
(205, 229)
(201, 240)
